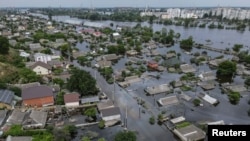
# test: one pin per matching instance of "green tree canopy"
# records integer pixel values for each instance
(226, 68)
(90, 112)
(125, 136)
(234, 97)
(187, 43)
(27, 76)
(81, 81)
(247, 81)
(4, 45)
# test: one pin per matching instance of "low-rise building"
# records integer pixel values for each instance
(41, 68)
(206, 76)
(186, 68)
(71, 100)
(38, 96)
(16, 117)
(41, 57)
(111, 116)
(152, 64)
(36, 119)
(190, 133)
(163, 88)
(6, 99)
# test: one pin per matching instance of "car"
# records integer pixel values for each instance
(103, 96)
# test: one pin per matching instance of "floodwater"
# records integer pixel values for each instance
(231, 114)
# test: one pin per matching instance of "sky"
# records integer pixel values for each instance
(124, 3)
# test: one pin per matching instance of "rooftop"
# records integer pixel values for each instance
(158, 89)
(37, 92)
(190, 132)
(168, 100)
(110, 112)
(6, 96)
(39, 63)
(90, 99)
(72, 97)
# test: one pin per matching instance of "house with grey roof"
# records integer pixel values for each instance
(103, 64)
(111, 116)
(36, 119)
(16, 117)
(206, 76)
(6, 99)
(3, 114)
(110, 57)
(186, 68)
(35, 47)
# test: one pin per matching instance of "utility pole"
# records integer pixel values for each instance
(139, 107)
(126, 117)
(114, 91)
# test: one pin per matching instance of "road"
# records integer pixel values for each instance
(125, 100)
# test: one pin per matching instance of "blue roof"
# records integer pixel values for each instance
(6, 96)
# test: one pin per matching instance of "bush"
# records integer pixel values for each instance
(101, 124)
(234, 97)
(152, 120)
(196, 102)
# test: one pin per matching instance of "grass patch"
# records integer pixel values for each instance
(182, 124)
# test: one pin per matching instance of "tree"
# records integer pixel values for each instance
(81, 81)
(4, 45)
(125, 136)
(101, 124)
(237, 47)
(60, 98)
(16, 90)
(152, 120)
(247, 81)
(234, 97)
(196, 102)
(90, 112)
(71, 129)
(187, 43)
(27, 76)
(226, 68)
(58, 81)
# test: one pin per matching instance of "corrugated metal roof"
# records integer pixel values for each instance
(6, 96)
(90, 99)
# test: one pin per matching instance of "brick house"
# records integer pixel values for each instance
(38, 96)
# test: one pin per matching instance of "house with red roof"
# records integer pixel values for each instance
(71, 99)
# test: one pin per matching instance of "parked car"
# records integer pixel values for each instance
(103, 96)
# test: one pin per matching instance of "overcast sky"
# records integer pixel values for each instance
(123, 3)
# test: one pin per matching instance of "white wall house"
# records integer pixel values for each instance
(71, 100)
(111, 115)
(41, 68)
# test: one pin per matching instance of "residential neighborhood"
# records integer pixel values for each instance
(77, 80)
